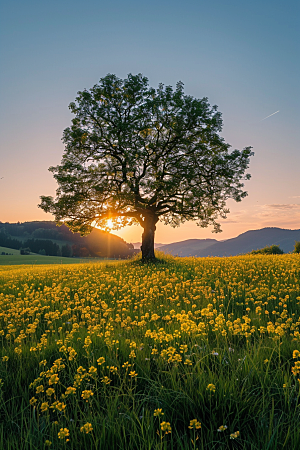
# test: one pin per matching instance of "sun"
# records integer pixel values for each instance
(109, 223)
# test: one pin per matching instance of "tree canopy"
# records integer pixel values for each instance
(135, 154)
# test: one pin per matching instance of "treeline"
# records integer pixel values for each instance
(47, 238)
(42, 246)
(274, 250)
(38, 230)
(8, 241)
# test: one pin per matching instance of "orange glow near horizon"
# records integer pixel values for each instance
(243, 217)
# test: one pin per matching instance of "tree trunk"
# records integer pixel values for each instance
(148, 238)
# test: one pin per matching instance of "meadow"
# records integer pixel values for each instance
(6, 260)
(184, 354)
(13, 257)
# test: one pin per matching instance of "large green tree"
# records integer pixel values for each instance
(135, 154)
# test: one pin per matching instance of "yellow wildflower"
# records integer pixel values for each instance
(87, 428)
(92, 370)
(133, 374)
(166, 427)
(106, 380)
(53, 379)
(50, 391)
(87, 394)
(211, 387)
(194, 424)
(70, 390)
(296, 354)
(44, 406)
(126, 365)
(63, 433)
(234, 435)
(59, 406)
(33, 401)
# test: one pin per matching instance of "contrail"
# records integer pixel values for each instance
(270, 115)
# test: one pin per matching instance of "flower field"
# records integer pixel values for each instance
(188, 353)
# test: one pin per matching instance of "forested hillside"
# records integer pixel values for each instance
(49, 239)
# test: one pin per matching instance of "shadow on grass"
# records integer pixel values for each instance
(161, 258)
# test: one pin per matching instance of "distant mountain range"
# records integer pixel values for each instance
(137, 245)
(244, 243)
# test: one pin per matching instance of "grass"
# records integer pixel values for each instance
(10, 251)
(33, 259)
(191, 353)
(18, 259)
(15, 258)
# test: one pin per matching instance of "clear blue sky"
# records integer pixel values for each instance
(243, 56)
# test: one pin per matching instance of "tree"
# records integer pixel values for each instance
(25, 251)
(135, 154)
(66, 251)
(268, 250)
(297, 247)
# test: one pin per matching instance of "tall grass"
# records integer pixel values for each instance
(135, 352)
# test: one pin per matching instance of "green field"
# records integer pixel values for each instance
(16, 259)
(188, 353)
(11, 251)
(36, 259)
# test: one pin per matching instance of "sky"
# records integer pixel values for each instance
(244, 56)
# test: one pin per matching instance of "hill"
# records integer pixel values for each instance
(244, 243)
(8, 251)
(47, 238)
(137, 245)
(189, 247)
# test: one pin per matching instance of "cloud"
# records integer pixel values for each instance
(283, 215)
(283, 206)
(277, 212)
(229, 221)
